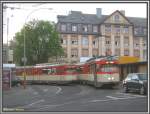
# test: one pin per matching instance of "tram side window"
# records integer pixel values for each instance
(71, 70)
(53, 71)
(44, 71)
(49, 71)
(92, 68)
(109, 68)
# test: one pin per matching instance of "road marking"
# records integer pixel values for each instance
(125, 94)
(117, 98)
(42, 100)
(59, 90)
(50, 106)
(112, 97)
(99, 100)
(28, 105)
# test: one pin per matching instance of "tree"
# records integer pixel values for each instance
(42, 41)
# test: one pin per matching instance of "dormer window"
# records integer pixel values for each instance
(63, 27)
(85, 28)
(95, 28)
(116, 18)
(74, 28)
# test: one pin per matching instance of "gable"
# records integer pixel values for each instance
(117, 18)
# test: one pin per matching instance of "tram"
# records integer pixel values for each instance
(100, 71)
(45, 74)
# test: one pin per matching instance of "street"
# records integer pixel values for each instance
(73, 97)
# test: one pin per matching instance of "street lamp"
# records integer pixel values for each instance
(24, 59)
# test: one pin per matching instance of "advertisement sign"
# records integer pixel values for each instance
(6, 79)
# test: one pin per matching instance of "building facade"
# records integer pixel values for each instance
(88, 35)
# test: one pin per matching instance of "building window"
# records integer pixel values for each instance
(108, 41)
(135, 31)
(116, 18)
(63, 27)
(63, 41)
(85, 40)
(136, 53)
(107, 28)
(117, 29)
(136, 45)
(95, 28)
(85, 28)
(126, 30)
(116, 43)
(74, 39)
(74, 28)
(126, 41)
(85, 53)
(74, 52)
(138, 31)
(126, 52)
(95, 41)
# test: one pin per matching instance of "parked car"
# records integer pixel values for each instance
(135, 82)
(16, 81)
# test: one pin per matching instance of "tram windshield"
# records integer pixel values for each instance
(108, 68)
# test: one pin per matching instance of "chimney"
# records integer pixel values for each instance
(99, 12)
(123, 12)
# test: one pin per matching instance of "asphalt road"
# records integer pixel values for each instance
(74, 98)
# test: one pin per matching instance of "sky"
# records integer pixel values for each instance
(49, 11)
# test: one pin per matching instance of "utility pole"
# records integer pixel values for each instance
(7, 38)
(7, 24)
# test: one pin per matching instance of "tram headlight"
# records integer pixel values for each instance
(112, 78)
(112, 62)
(109, 78)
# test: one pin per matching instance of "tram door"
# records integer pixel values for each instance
(94, 73)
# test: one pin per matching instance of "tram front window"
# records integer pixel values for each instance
(108, 68)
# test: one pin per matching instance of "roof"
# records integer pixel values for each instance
(79, 17)
(138, 21)
(9, 65)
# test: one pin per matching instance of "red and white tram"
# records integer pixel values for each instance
(60, 74)
(100, 71)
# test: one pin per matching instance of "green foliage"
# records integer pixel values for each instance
(41, 40)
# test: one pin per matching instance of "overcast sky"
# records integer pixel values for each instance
(17, 16)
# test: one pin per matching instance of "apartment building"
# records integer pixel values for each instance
(88, 35)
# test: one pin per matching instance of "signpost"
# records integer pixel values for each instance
(24, 60)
